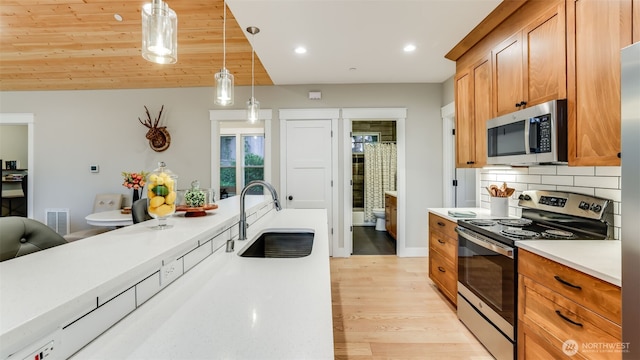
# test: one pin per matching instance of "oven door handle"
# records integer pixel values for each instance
(500, 249)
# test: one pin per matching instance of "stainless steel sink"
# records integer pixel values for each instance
(280, 244)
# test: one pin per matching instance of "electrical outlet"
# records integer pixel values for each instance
(41, 354)
(170, 272)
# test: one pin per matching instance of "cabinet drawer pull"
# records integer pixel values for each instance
(440, 241)
(568, 320)
(440, 223)
(441, 269)
(567, 283)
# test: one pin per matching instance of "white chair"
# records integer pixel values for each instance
(102, 202)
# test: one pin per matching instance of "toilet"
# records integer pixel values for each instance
(379, 214)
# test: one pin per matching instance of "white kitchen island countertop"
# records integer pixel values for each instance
(230, 307)
(599, 258)
(225, 306)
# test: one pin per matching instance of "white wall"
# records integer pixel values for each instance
(74, 129)
(13, 144)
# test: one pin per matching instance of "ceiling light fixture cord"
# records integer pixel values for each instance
(253, 106)
(223, 78)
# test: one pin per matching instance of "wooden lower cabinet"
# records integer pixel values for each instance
(391, 215)
(443, 256)
(564, 313)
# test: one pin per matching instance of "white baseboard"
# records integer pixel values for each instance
(413, 252)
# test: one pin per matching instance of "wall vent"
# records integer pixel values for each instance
(58, 220)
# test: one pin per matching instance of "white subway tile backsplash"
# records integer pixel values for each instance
(608, 182)
(601, 181)
(531, 179)
(608, 171)
(488, 176)
(610, 194)
(542, 187)
(557, 180)
(580, 190)
(579, 170)
(505, 178)
(518, 186)
(542, 170)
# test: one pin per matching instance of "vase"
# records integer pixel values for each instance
(136, 196)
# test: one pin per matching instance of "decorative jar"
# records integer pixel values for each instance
(161, 194)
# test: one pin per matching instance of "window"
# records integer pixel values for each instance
(359, 139)
(249, 149)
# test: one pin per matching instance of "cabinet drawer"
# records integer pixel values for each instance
(446, 246)
(443, 225)
(444, 275)
(600, 296)
(559, 319)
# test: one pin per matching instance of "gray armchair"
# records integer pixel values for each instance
(21, 236)
(139, 211)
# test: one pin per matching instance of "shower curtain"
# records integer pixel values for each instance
(380, 164)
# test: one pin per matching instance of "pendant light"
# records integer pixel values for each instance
(159, 33)
(224, 79)
(253, 105)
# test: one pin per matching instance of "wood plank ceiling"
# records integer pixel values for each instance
(78, 45)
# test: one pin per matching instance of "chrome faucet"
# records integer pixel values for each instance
(242, 233)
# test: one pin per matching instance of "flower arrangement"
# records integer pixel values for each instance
(134, 180)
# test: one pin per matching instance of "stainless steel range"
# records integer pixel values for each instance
(487, 258)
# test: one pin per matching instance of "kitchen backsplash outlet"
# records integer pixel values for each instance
(600, 181)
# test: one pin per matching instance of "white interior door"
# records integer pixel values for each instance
(308, 165)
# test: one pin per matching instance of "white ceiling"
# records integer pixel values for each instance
(367, 35)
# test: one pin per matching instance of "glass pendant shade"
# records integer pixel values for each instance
(159, 33)
(224, 87)
(253, 110)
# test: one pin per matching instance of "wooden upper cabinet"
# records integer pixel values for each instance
(545, 59)
(465, 138)
(529, 67)
(596, 32)
(507, 75)
(636, 21)
(473, 109)
(482, 107)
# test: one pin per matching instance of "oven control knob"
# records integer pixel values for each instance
(595, 207)
(584, 205)
(524, 197)
(527, 197)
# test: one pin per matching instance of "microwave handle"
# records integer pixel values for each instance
(527, 130)
(503, 250)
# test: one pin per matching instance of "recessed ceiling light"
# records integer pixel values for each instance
(300, 50)
(118, 17)
(352, 69)
(409, 48)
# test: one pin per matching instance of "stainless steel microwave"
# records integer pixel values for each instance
(535, 135)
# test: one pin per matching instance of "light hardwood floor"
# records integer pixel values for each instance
(385, 307)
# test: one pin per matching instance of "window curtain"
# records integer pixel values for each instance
(380, 164)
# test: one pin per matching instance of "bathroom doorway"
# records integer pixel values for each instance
(374, 170)
(350, 116)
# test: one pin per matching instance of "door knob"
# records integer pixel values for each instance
(290, 197)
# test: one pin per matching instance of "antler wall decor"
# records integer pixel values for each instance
(158, 136)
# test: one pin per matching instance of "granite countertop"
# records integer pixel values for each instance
(599, 258)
